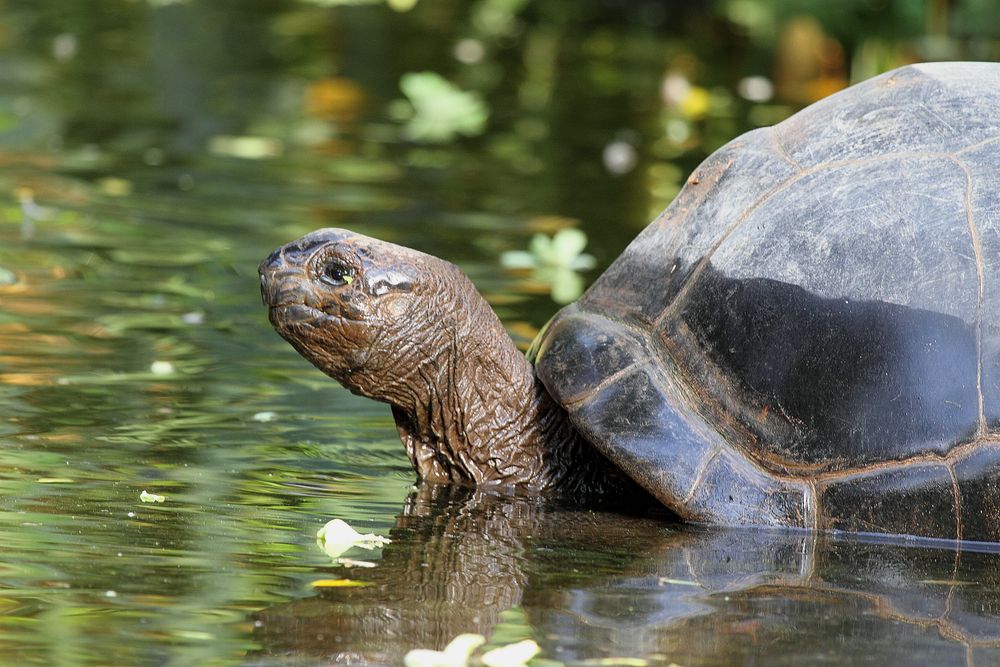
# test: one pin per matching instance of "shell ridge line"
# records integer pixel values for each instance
(977, 250)
(884, 157)
(641, 354)
(954, 455)
(699, 475)
(640, 334)
(976, 146)
(588, 394)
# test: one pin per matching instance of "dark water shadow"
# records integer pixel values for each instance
(596, 584)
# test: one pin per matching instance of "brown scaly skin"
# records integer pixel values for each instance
(409, 329)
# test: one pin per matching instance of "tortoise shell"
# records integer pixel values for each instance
(810, 334)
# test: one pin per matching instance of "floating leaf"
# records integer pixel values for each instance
(337, 583)
(562, 250)
(148, 497)
(567, 285)
(513, 627)
(518, 259)
(162, 368)
(556, 261)
(455, 654)
(512, 655)
(441, 111)
(337, 536)
(568, 245)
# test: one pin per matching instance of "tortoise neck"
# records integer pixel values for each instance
(475, 412)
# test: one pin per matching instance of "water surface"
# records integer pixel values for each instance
(151, 153)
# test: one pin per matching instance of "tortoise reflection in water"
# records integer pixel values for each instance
(808, 336)
(599, 584)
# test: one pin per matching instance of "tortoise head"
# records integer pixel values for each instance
(361, 310)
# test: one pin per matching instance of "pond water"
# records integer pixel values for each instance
(151, 153)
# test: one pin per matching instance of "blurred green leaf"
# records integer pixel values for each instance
(441, 110)
(555, 261)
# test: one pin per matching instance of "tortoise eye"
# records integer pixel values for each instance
(337, 274)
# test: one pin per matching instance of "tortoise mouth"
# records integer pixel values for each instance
(297, 312)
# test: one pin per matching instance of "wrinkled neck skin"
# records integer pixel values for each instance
(469, 407)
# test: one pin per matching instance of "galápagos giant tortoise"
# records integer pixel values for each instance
(809, 336)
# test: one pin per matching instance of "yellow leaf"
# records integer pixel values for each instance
(338, 583)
